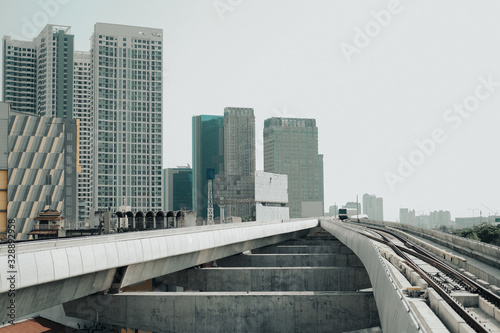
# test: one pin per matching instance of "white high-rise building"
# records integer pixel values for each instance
(373, 207)
(82, 73)
(127, 109)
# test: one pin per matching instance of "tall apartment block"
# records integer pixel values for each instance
(291, 148)
(208, 153)
(42, 162)
(38, 75)
(82, 90)
(373, 206)
(127, 111)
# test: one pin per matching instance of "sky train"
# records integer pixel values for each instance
(351, 214)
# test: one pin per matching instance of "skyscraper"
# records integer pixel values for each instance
(373, 207)
(127, 111)
(19, 75)
(239, 157)
(208, 153)
(225, 144)
(291, 148)
(82, 89)
(239, 141)
(38, 75)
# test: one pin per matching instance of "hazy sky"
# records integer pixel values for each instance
(406, 94)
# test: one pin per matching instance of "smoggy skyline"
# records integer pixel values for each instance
(406, 94)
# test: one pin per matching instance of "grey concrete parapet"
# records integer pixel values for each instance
(394, 311)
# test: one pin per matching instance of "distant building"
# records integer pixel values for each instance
(467, 222)
(42, 167)
(407, 216)
(373, 207)
(239, 155)
(266, 195)
(333, 210)
(178, 188)
(208, 153)
(423, 221)
(291, 148)
(440, 218)
(354, 206)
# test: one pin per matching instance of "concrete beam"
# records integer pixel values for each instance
(291, 260)
(270, 279)
(235, 312)
(137, 256)
(302, 249)
(39, 297)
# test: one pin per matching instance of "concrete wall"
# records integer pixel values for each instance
(271, 279)
(270, 213)
(292, 260)
(312, 208)
(271, 187)
(232, 312)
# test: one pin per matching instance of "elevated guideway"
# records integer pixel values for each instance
(48, 273)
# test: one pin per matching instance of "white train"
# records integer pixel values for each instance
(351, 214)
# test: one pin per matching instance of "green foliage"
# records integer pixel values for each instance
(485, 233)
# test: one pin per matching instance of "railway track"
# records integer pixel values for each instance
(443, 283)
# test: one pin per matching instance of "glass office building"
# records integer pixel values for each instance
(208, 153)
(291, 148)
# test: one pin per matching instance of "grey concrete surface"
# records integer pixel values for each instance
(271, 279)
(394, 311)
(291, 260)
(45, 268)
(231, 312)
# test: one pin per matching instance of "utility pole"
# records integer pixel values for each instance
(357, 207)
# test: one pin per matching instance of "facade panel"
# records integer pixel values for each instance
(42, 168)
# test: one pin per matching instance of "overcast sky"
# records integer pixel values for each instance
(406, 94)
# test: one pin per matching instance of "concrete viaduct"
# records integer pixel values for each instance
(53, 272)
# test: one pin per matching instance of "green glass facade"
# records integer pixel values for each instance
(208, 153)
(178, 189)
